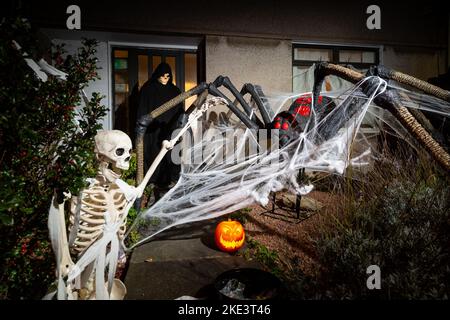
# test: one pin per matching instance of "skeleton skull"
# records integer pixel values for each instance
(113, 146)
(164, 79)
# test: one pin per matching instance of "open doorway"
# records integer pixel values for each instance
(132, 67)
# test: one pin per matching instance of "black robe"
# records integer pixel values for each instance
(153, 94)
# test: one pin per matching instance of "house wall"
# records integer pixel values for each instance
(101, 85)
(422, 24)
(422, 63)
(266, 62)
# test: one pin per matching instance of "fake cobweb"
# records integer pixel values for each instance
(226, 167)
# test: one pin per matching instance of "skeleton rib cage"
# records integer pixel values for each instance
(87, 219)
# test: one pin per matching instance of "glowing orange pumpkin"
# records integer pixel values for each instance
(230, 236)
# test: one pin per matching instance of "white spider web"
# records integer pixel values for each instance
(232, 169)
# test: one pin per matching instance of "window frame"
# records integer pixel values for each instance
(335, 48)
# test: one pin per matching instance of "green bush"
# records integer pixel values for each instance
(398, 219)
(129, 176)
(46, 143)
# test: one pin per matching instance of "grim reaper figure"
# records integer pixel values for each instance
(155, 92)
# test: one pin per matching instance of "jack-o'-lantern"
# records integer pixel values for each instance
(230, 236)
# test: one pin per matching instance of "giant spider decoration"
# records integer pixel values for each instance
(291, 122)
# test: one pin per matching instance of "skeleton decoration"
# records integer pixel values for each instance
(104, 196)
(97, 220)
(97, 225)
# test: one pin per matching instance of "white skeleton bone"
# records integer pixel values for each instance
(88, 210)
(97, 218)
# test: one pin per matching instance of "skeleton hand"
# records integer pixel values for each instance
(67, 196)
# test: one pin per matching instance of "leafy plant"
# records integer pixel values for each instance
(396, 217)
(46, 143)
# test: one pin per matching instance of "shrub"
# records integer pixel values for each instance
(46, 143)
(399, 219)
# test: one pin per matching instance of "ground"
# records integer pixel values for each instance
(280, 231)
(186, 260)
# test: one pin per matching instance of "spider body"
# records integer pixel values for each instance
(290, 123)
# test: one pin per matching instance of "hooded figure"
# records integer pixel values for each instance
(154, 93)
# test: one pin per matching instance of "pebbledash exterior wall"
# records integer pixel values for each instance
(422, 63)
(252, 41)
(266, 62)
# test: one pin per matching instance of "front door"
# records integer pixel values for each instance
(132, 67)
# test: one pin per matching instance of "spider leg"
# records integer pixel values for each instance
(319, 77)
(388, 101)
(350, 107)
(226, 82)
(244, 117)
(256, 93)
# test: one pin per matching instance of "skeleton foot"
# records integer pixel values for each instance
(119, 290)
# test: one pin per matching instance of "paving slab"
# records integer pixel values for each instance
(181, 262)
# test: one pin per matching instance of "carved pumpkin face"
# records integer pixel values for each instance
(230, 236)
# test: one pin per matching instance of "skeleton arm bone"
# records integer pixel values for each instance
(166, 146)
(66, 261)
(59, 241)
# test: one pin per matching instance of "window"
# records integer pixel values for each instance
(133, 66)
(305, 55)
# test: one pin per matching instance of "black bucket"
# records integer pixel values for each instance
(247, 284)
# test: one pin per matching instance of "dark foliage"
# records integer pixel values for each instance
(46, 143)
(396, 217)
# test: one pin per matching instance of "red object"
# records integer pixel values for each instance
(229, 236)
(307, 100)
(285, 126)
(304, 111)
(301, 100)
